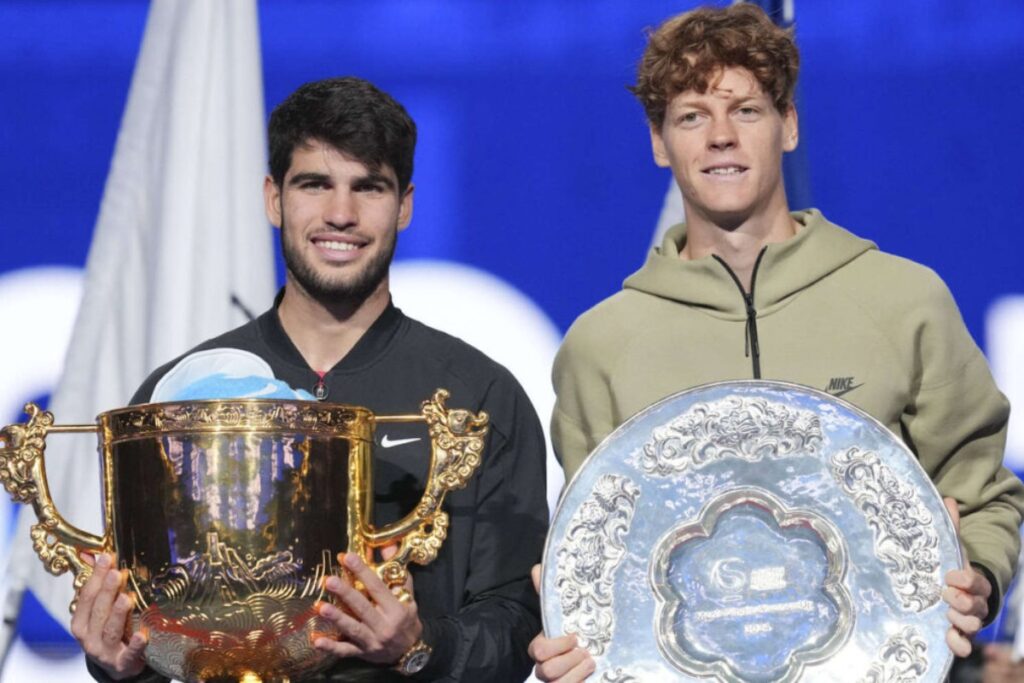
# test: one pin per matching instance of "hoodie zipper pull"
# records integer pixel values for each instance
(751, 326)
(320, 390)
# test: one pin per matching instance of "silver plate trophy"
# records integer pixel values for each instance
(752, 531)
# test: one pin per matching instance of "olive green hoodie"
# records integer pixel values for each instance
(827, 310)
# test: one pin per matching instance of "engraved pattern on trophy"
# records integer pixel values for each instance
(213, 416)
(738, 427)
(245, 610)
(903, 658)
(750, 589)
(618, 676)
(587, 558)
(904, 535)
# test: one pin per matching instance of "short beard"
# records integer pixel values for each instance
(327, 291)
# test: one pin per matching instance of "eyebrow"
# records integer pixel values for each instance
(313, 176)
(376, 177)
(300, 178)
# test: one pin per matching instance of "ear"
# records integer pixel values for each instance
(405, 208)
(790, 130)
(272, 201)
(658, 148)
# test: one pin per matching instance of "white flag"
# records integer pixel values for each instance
(180, 241)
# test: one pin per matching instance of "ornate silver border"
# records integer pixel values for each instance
(902, 658)
(746, 428)
(905, 538)
(587, 558)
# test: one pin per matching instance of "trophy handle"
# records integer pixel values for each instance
(457, 442)
(23, 472)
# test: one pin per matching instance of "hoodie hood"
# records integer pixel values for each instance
(818, 249)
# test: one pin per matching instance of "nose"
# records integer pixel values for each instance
(721, 134)
(340, 210)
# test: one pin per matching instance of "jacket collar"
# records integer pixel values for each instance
(369, 347)
(818, 248)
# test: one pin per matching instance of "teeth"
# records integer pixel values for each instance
(338, 246)
(731, 170)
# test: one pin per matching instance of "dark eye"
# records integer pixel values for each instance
(748, 113)
(370, 188)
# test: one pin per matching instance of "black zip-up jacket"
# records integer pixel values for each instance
(476, 601)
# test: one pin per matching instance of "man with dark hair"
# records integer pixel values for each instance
(341, 157)
(747, 289)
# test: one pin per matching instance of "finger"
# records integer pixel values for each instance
(113, 629)
(87, 596)
(389, 551)
(542, 649)
(964, 602)
(362, 609)
(375, 588)
(103, 602)
(352, 630)
(338, 648)
(565, 667)
(131, 656)
(959, 645)
(967, 624)
(974, 582)
(535, 575)
(581, 671)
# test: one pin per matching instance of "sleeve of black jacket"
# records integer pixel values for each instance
(487, 639)
(147, 675)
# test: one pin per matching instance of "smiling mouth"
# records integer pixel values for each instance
(725, 170)
(337, 246)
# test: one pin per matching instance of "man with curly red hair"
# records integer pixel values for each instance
(748, 289)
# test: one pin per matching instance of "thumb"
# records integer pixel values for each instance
(535, 575)
(954, 512)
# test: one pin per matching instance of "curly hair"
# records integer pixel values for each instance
(689, 50)
(350, 114)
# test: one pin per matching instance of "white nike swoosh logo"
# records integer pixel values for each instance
(388, 443)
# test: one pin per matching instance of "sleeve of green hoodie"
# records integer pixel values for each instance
(955, 421)
(584, 407)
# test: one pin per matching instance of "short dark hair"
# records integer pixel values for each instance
(350, 114)
(688, 50)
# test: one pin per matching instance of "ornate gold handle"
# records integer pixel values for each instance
(457, 443)
(23, 472)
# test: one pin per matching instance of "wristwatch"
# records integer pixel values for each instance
(415, 659)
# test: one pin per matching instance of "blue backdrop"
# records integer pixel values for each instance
(534, 160)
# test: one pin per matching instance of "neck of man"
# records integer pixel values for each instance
(737, 240)
(325, 331)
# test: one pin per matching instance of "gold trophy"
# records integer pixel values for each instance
(229, 514)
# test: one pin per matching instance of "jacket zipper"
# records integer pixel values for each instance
(751, 348)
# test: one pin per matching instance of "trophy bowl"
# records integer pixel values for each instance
(227, 515)
(756, 532)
